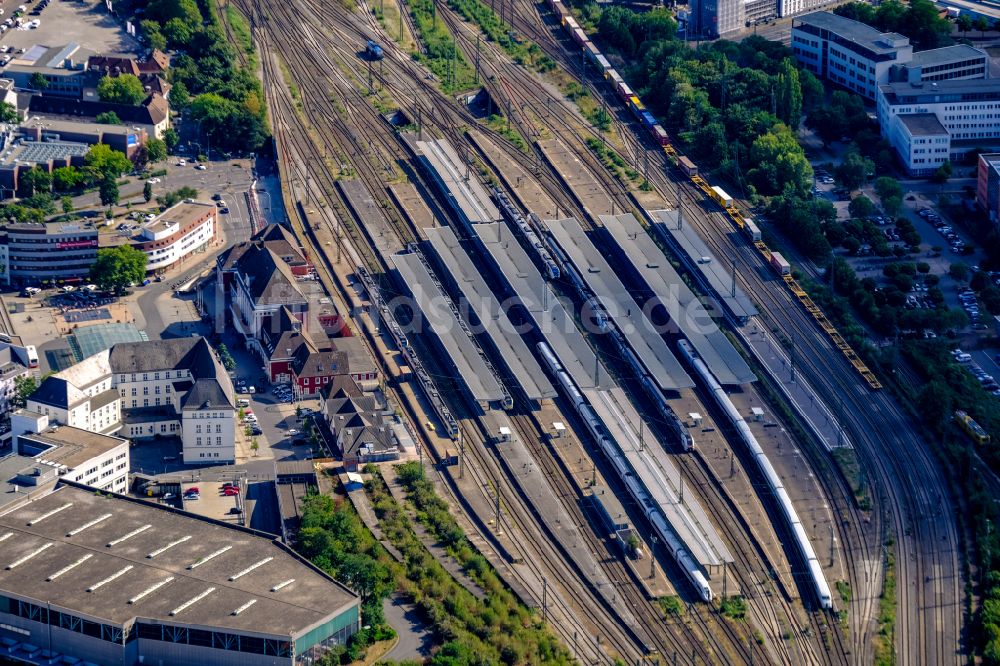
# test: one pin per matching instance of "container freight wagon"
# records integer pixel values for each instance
(750, 229)
(721, 197)
(779, 264)
(688, 167)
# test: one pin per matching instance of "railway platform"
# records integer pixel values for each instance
(516, 180)
(413, 207)
(578, 179)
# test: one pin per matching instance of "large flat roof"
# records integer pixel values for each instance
(180, 214)
(440, 318)
(462, 186)
(946, 54)
(72, 446)
(977, 90)
(922, 124)
(492, 317)
(619, 305)
(683, 307)
(852, 31)
(550, 316)
(660, 477)
(91, 553)
(715, 273)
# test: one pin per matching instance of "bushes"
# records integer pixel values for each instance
(494, 629)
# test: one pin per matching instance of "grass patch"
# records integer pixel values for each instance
(734, 608)
(758, 637)
(240, 28)
(383, 102)
(523, 52)
(885, 650)
(847, 460)
(671, 606)
(499, 125)
(615, 163)
(391, 19)
(293, 89)
(442, 55)
(844, 589)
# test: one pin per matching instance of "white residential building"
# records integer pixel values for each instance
(859, 58)
(101, 461)
(178, 232)
(966, 116)
(145, 389)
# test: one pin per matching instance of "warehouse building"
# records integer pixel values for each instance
(111, 580)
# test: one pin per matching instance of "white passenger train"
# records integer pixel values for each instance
(819, 583)
(611, 451)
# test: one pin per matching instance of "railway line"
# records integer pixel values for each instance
(620, 645)
(567, 130)
(928, 629)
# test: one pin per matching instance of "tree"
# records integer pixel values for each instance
(942, 174)
(779, 163)
(67, 205)
(121, 89)
(117, 267)
(788, 94)
(108, 118)
(887, 186)
(147, 191)
(861, 207)
(8, 113)
(24, 386)
(958, 270)
(106, 162)
(851, 173)
(228, 362)
(108, 191)
(170, 137)
(964, 23)
(982, 24)
(156, 150)
(177, 32)
(66, 179)
(254, 446)
(36, 180)
(38, 81)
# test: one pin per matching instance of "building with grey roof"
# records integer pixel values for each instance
(437, 315)
(484, 313)
(458, 183)
(14, 363)
(111, 580)
(47, 253)
(860, 58)
(156, 388)
(988, 185)
(965, 113)
(635, 329)
(673, 299)
(357, 427)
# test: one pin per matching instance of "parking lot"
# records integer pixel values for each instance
(87, 23)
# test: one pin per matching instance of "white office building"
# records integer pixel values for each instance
(858, 57)
(97, 460)
(931, 123)
(159, 388)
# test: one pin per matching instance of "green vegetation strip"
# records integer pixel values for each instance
(491, 630)
(441, 55)
(522, 51)
(885, 649)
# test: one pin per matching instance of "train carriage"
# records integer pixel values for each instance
(570, 23)
(614, 77)
(580, 37)
(592, 52)
(624, 91)
(660, 136)
(647, 120)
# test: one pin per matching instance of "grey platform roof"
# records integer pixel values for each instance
(946, 54)
(685, 310)
(478, 379)
(551, 318)
(461, 184)
(492, 318)
(620, 306)
(90, 554)
(661, 478)
(717, 274)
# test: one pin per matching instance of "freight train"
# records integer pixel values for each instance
(656, 132)
(819, 584)
(627, 475)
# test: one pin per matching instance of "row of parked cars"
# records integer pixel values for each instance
(970, 304)
(956, 243)
(985, 379)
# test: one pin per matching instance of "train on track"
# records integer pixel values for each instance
(971, 428)
(659, 135)
(625, 472)
(819, 584)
